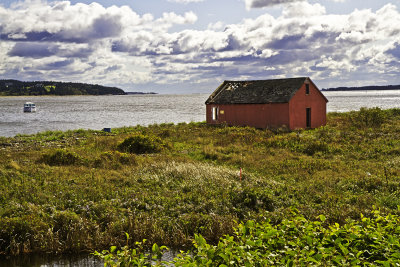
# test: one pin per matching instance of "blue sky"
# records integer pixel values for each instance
(191, 46)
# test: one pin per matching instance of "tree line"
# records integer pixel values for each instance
(17, 88)
(364, 88)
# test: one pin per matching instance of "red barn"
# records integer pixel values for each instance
(294, 103)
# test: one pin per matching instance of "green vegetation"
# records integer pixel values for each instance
(17, 88)
(141, 144)
(60, 157)
(81, 191)
(294, 242)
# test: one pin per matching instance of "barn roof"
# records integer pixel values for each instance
(256, 92)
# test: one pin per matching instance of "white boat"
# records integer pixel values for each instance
(29, 107)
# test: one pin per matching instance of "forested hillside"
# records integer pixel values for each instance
(15, 88)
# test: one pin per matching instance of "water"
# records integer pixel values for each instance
(51, 261)
(342, 101)
(98, 112)
(84, 260)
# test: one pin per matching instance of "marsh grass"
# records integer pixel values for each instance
(78, 191)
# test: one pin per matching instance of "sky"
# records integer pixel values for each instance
(192, 46)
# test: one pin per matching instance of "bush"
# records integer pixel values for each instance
(394, 112)
(315, 146)
(61, 157)
(141, 144)
(114, 158)
(372, 117)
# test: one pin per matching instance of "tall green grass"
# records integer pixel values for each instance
(78, 191)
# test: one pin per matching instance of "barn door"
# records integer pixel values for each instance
(308, 117)
(214, 112)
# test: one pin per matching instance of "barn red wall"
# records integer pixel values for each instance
(300, 101)
(255, 115)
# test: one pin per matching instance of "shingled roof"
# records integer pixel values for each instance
(256, 92)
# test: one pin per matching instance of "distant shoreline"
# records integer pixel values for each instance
(141, 93)
(48, 88)
(364, 88)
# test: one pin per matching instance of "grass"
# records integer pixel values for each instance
(80, 191)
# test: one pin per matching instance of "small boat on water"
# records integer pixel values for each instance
(29, 107)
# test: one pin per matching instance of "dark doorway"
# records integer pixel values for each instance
(308, 117)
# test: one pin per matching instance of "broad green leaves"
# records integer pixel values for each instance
(300, 242)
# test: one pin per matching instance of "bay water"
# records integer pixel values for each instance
(98, 112)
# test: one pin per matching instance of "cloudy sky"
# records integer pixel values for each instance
(191, 46)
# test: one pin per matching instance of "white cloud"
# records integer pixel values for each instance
(217, 26)
(172, 18)
(303, 9)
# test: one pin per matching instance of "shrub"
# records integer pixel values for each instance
(315, 146)
(368, 117)
(250, 198)
(61, 157)
(114, 158)
(141, 144)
